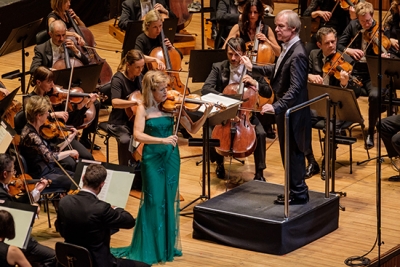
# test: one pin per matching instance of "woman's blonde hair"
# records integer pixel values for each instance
(130, 57)
(152, 80)
(36, 105)
(152, 16)
(57, 5)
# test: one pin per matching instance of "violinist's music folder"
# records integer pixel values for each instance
(225, 101)
(117, 184)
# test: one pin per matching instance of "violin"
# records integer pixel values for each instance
(346, 4)
(10, 113)
(371, 36)
(192, 102)
(50, 130)
(336, 64)
(106, 71)
(22, 184)
(76, 95)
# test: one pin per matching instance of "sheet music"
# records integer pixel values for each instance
(116, 187)
(22, 219)
(218, 99)
(5, 138)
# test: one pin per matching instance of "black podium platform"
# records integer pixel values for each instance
(245, 217)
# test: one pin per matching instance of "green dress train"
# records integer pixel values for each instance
(156, 235)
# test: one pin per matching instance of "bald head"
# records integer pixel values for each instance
(57, 31)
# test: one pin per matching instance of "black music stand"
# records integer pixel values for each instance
(134, 29)
(213, 119)
(86, 77)
(20, 38)
(201, 62)
(345, 108)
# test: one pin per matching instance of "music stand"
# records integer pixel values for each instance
(86, 77)
(213, 119)
(390, 79)
(201, 62)
(305, 31)
(134, 29)
(20, 38)
(345, 108)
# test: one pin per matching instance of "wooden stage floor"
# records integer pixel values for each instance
(357, 224)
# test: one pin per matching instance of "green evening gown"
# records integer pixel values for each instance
(156, 235)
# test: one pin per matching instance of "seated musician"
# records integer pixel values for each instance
(390, 134)
(125, 81)
(225, 73)
(133, 10)
(253, 14)
(392, 27)
(39, 155)
(49, 52)
(326, 41)
(90, 227)
(9, 255)
(37, 254)
(42, 80)
(358, 50)
(325, 14)
(59, 10)
(227, 16)
(149, 38)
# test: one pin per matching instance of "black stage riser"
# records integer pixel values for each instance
(246, 217)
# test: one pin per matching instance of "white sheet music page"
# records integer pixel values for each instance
(218, 99)
(5, 138)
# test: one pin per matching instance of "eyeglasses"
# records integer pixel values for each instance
(14, 171)
(370, 20)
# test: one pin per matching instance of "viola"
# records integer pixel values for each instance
(172, 61)
(238, 136)
(191, 102)
(106, 71)
(372, 36)
(22, 184)
(336, 64)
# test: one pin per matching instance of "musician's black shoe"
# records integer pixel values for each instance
(369, 143)
(312, 169)
(259, 177)
(220, 171)
(293, 200)
(88, 144)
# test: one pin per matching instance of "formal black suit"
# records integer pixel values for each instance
(390, 134)
(35, 253)
(86, 221)
(132, 11)
(215, 83)
(360, 70)
(290, 88)
(44, 56)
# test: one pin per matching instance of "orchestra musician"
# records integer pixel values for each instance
(59, 9)
(9, 255)
(390, 134)
(289, 82)
(126, 80)
(253, 14)
(227, 16)
(357, 50)
(327, 43)
(90, 227)
(326, 13)
(39, 155)
(392, 28)
(42, 80)
(225, 73)
(132, 10)
(156, 236)
(49, 52)
(36, 254)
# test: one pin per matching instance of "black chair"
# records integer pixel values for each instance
(70, 255)
(42, 37)
(106, 134)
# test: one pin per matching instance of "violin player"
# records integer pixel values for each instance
(326, 13)
(227, 72)
(132, 10)
(327, 43)
(49, 52)
(59, 9)
(357, 50)
(392, 25)
(289, 82)
(36, 254)
(42, 80)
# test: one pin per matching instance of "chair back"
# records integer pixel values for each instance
(70, 255)
(42, 37)
(20, 121)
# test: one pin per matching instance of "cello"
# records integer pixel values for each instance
(106, 71)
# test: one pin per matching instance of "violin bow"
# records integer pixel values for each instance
(66, 173)
(178, 119)
(59, 127)
(22, 173)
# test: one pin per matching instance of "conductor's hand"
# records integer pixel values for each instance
(170, 140)
(267, 108)
(247, 63)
